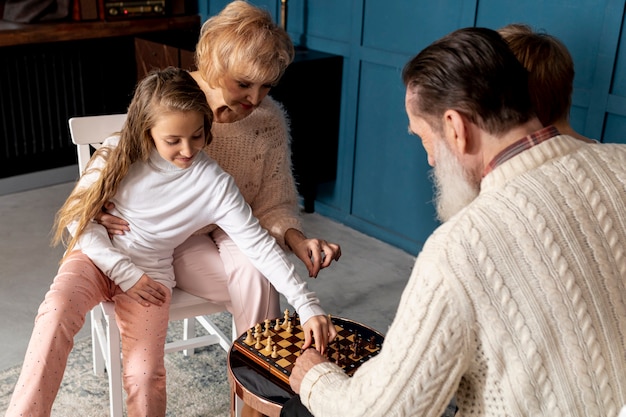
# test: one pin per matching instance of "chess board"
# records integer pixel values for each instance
(353, 346)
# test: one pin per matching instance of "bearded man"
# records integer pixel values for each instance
(516, 305)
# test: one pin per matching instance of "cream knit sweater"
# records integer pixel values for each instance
(256, 152)
(516, 305)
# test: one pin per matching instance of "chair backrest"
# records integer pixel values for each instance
(90, 131)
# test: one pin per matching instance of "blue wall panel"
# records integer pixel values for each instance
(407, 27)
(390, 171)
(329, 19)
(615, 129)
(619, 81)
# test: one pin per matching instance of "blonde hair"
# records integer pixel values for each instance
(243, 41)
(168, 90)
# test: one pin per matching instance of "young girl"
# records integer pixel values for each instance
(167, 188)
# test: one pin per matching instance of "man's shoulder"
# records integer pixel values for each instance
(612, 155)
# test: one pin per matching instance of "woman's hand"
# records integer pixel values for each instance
(318, 329)
(113, 224)
(147, 292)
(316, 254)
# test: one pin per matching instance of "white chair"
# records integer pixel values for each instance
(88, 132)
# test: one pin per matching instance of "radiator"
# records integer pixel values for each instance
(43, 85)
(39, 90)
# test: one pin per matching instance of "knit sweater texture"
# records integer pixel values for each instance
(164, 205)
(256, 152)
(516, 305)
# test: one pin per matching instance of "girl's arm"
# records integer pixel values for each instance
(94, 241)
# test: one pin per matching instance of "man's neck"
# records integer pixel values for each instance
(494, 144)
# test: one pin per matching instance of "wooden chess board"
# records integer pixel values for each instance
(353, 346)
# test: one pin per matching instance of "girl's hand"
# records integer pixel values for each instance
(318, 329)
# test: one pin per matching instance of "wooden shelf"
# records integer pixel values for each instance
(12, 34)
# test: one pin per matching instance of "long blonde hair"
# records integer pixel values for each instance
(171, 89)
(243, 41)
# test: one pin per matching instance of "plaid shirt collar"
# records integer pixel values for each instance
(520, 146)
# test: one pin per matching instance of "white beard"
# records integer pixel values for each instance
(454, 188)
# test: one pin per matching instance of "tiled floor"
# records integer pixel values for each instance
(365, 285)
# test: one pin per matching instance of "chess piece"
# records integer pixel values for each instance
(266, 332)
(258, 344)
(277, 326)
(268, 345)
(289, 328)
(249, 340)
(372, 344)
(354, 348)
(257, 330)
(274, 352)
(286, 320)
(358, 350)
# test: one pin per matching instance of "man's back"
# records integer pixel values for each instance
(544, 244)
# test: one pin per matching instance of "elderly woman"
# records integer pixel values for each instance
(240, 55)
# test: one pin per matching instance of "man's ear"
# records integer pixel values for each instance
(456, 131)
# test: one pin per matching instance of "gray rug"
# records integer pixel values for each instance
(197, 385)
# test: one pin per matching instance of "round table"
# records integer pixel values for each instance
(266, 388)
(255, 389)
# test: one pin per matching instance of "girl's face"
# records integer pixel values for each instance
(242, 96)
(179, 136)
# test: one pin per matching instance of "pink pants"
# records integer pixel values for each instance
(212, 267)
(77, 288)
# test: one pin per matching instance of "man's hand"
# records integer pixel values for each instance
(304, 362)
(316, 254)
(318, 329)
(113, 224)
(148, 292)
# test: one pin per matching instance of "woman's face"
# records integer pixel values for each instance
(243, 96)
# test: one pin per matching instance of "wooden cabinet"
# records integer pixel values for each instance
(163, 50)
(310, 90)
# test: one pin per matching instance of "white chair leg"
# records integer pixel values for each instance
(214, 330)
(114, 369)
(96, 343)
(233, 332)
(189, 332)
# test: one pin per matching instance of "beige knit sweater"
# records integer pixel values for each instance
(516, 305)
(256, 152)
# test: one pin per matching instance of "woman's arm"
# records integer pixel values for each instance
(275, 203)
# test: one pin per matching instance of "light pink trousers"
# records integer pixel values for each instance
(211, 267)
(77, 288)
